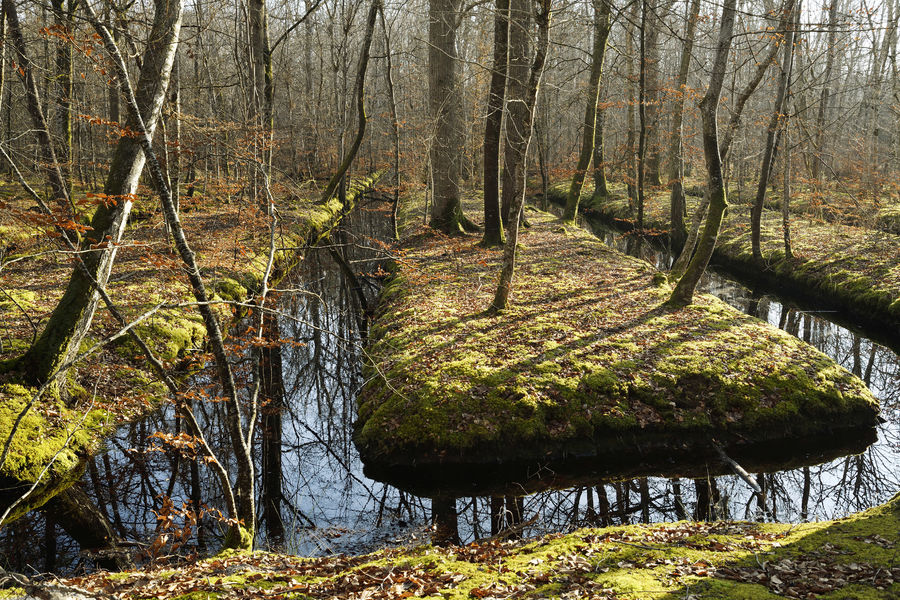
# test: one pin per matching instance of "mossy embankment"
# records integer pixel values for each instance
(851, 558)
(855, 269)
(587, 374)
(115, 384)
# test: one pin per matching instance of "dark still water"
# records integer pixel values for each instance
(317, 500)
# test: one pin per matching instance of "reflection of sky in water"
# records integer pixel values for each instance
(327, 494)
(330, 506)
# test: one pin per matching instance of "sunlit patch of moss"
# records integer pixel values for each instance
(856, 268)
(585, 353)
(668, 561)
(49, 430)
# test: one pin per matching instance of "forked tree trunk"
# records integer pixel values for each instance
(589, 137)
(71, 319)
(683, 293)
(445, 105)
(527, 102)
(775, 120)
(493, 224)
(677, 204)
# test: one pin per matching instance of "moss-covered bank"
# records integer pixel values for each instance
(68, 433)
(852, 558)
(855, 269)
(587, 375)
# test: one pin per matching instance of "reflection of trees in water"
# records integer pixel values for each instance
(317, 499)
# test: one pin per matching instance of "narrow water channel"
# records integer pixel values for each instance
(326, 504)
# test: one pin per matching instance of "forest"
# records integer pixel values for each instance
(490, 299)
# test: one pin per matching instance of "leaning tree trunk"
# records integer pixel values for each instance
(677, 204)
(240, 498)
(527, 101)
(683, 293)
(360, 105)
(445, 105)
(774, 125)
(602, 13)
(71, 319)
(493, 224)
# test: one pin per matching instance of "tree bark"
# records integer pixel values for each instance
(514, 151)
(51, 166)
(775, 124)
(445, 105)
(527, 103)
(72, 316)
(683, 293)
(677, 204)
(493, 224)
(602, 13)
(825, 97)
(395, 122)
(650, 105)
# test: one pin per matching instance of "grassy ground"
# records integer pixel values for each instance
(854, 267)
(586, 362)
(230, 238)
(856, 557)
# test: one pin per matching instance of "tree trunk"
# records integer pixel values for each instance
(825, 97)
(493, 224)
(395, 122)
(445, 105)
(64, 18)
(338, 177)
(771, 131)
(650, 105)
(51, 166)
(71, 319)
(631, 100)
(677, 204)
(602, 13)
(515, 149)
(527, 103)
(601, 190)
(684, 291)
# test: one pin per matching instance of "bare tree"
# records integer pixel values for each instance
(602, 26)
(527, 101)
(683, 293)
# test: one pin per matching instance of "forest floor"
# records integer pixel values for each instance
(838, 257)
(855, 557)
(230, 238)
(586, 361)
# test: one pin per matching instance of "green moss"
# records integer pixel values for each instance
(48, 431)
(667, 561)
(585, 354)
